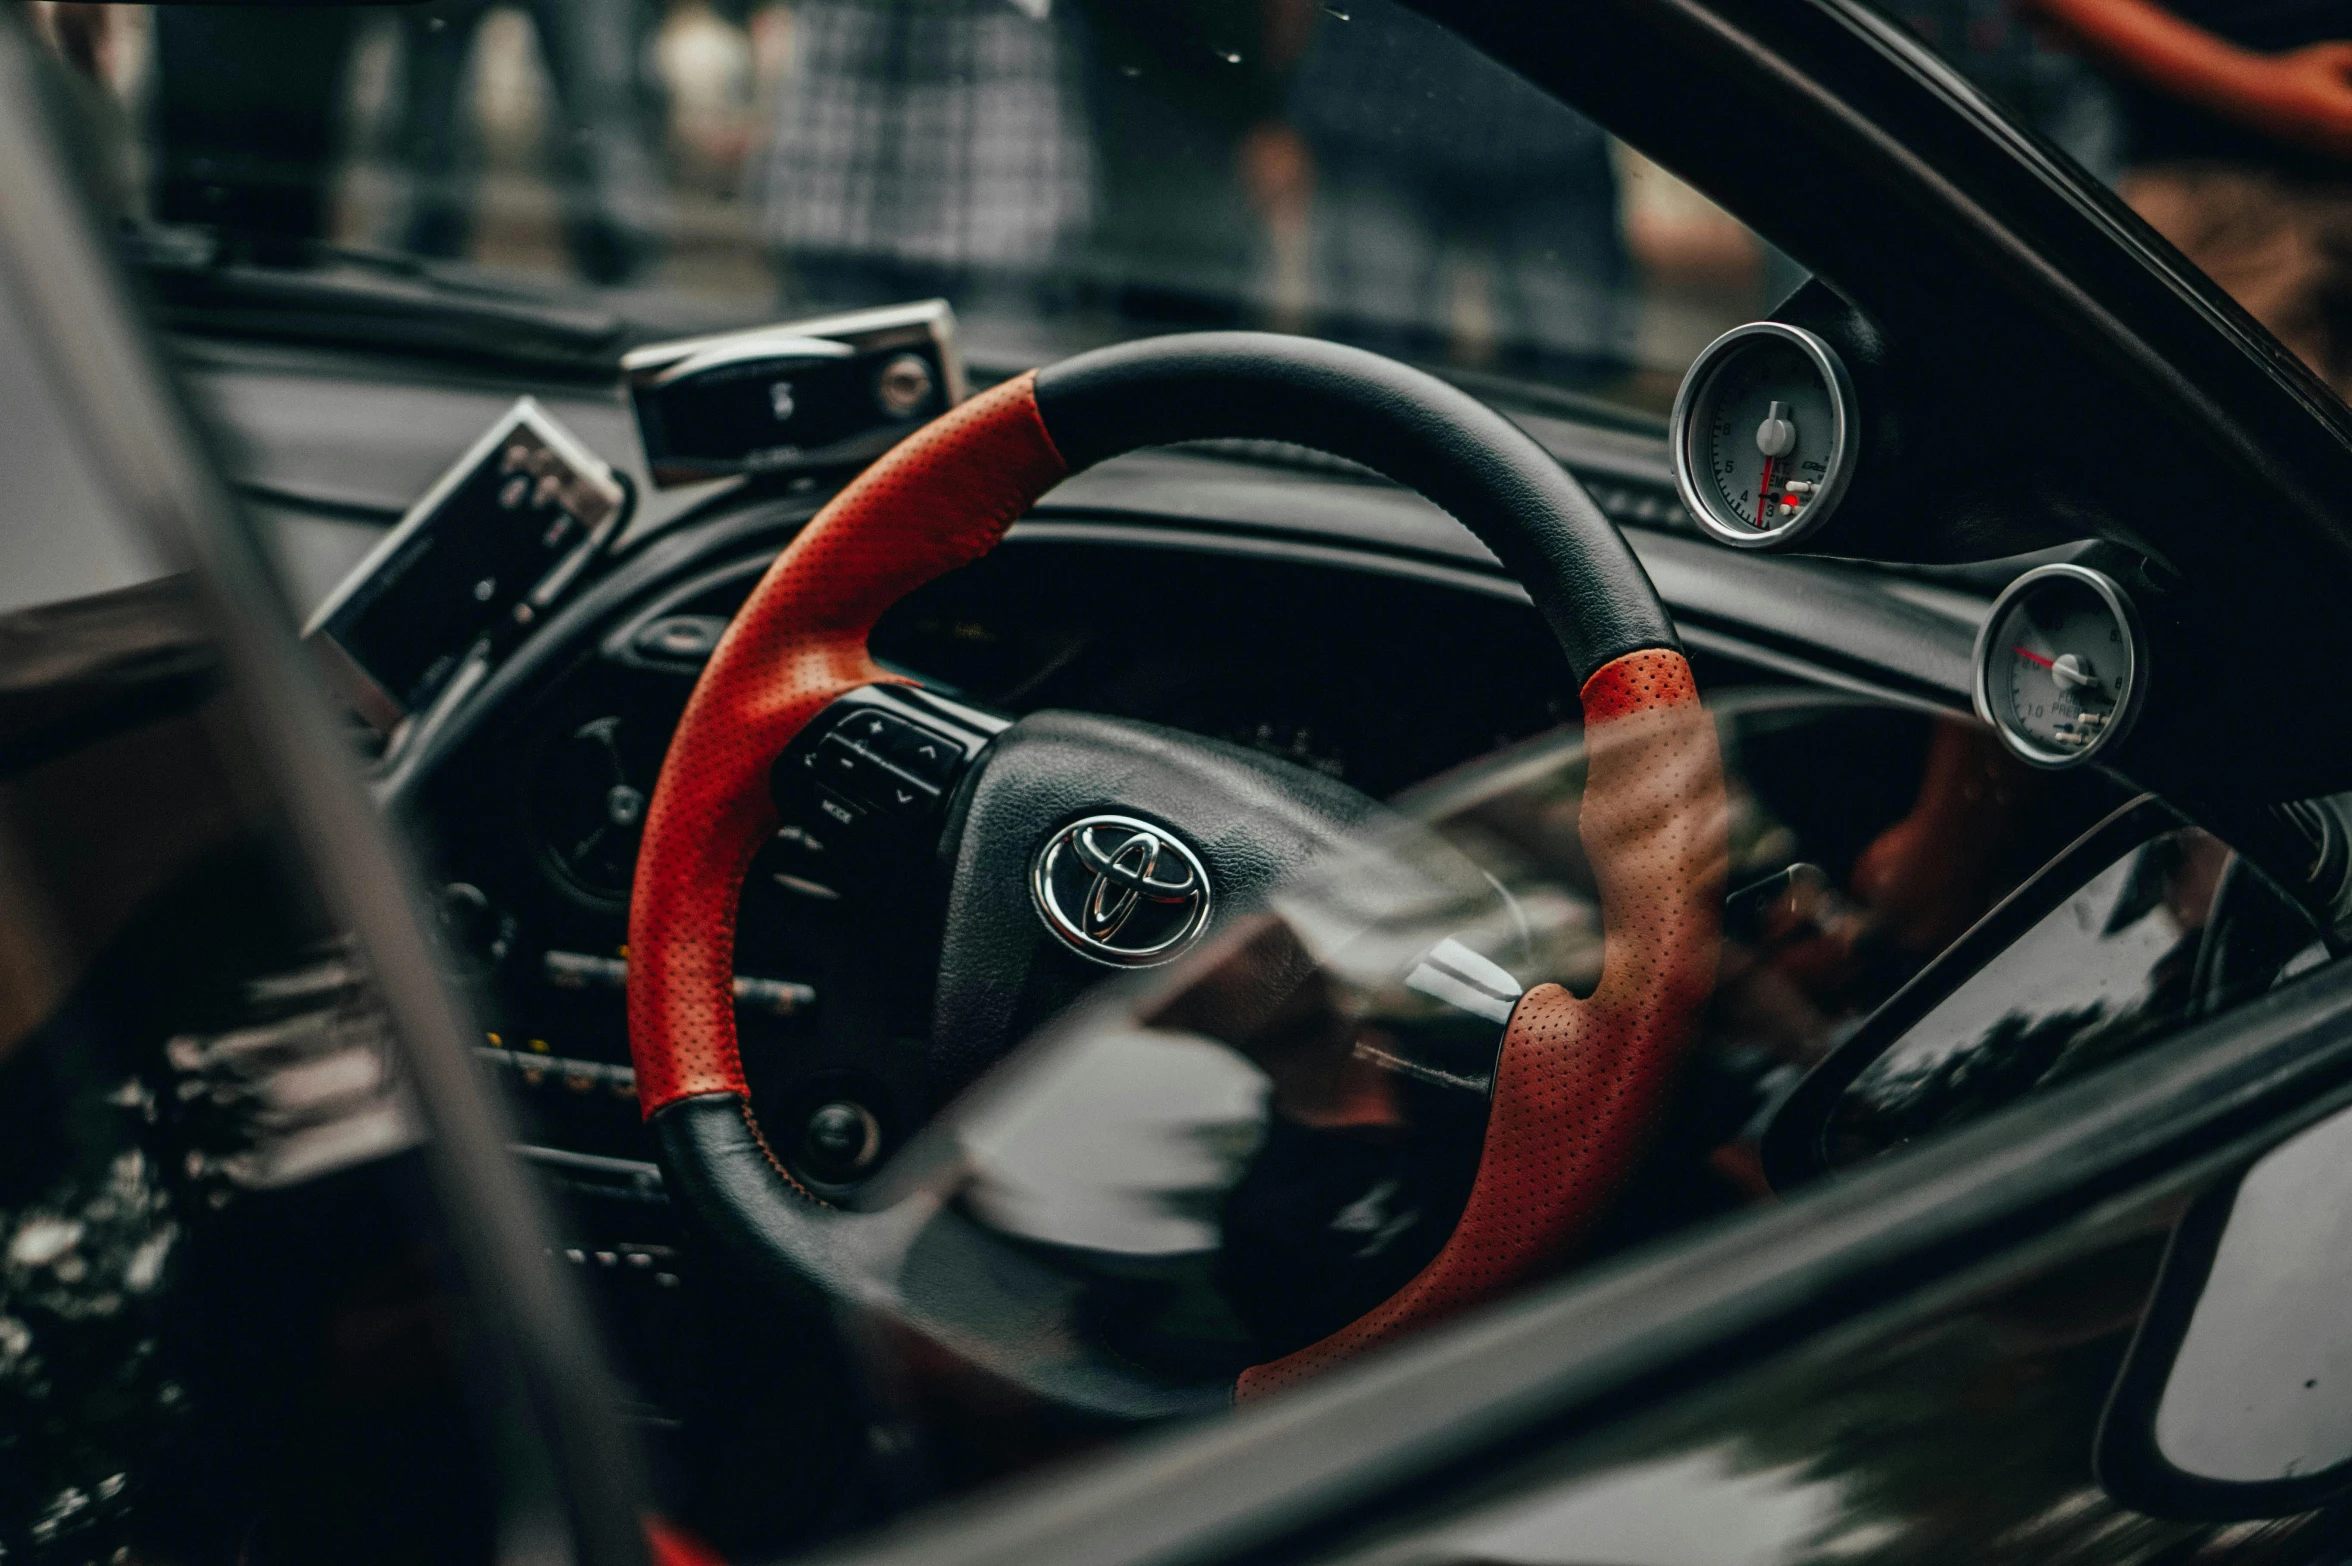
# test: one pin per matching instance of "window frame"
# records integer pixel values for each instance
(92, 355)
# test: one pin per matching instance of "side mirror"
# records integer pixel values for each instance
(2235, 1401)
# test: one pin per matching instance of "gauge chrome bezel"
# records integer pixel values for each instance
(2135, 690)
(1708, 508)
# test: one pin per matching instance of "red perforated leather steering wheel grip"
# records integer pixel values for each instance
(1579, 1083)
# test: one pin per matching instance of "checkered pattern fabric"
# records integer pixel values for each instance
(934, 132)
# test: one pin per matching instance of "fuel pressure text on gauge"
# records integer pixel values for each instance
(2061, 665)
(1764, 433)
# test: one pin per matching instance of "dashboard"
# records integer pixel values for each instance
(1258, 594)
(1379, 668)
(1268, 596)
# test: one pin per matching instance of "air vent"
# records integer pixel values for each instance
(588, 799)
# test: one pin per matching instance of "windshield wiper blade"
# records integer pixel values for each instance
(375, 301)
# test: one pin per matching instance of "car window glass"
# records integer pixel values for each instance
(1204, 1169)
(227, 1324)
(2175, 929)
(1064, 173)
(64, 540)
(231, 1323)
(2225, 160)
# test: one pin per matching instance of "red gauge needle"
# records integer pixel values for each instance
(1764, 493)
(2034, 657)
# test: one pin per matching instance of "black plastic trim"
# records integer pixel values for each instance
(1794, 1150)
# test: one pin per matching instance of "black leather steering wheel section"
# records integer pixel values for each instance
(1489, 474)
(920, 1263)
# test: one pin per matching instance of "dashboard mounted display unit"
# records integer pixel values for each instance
(470, 569)
(795, 397)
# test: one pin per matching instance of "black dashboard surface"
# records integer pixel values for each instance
(1262, 595)
(329, 448)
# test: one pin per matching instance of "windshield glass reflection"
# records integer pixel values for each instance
(1066, 172)
(2174, 929)
(1230, 1160)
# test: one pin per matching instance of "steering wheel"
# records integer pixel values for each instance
(1063, 832)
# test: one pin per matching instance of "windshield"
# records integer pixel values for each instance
(1066, 172)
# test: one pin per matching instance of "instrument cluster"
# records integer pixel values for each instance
(1767, 433)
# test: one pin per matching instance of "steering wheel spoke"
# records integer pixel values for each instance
(850, 884)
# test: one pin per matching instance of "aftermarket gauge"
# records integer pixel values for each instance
(2061, 665)
(1765, 433)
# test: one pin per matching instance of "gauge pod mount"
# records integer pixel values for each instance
(1766, 433)
(2061, 665)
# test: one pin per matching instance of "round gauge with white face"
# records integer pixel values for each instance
(2061, 665)
(1764, 432)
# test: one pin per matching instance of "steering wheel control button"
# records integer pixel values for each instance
(841, 1140)
(846, 767)
(870, 773)
(905, 746)
(1120, 891)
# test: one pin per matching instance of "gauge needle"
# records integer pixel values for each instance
(2068, 671)
(1776, 438)
(2074, 674)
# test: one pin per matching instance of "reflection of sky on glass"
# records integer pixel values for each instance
(2062, 965)
(1124, 1142)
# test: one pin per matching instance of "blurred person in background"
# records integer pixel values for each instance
(608, 186)
(925, 147)
(1198, 175)
(709, 72)
(95, 42)
(1067, 171)
(2239, 131)
(247, 118)
(1457, 213)
(2051, 89)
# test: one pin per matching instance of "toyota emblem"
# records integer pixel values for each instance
(1121, 891)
